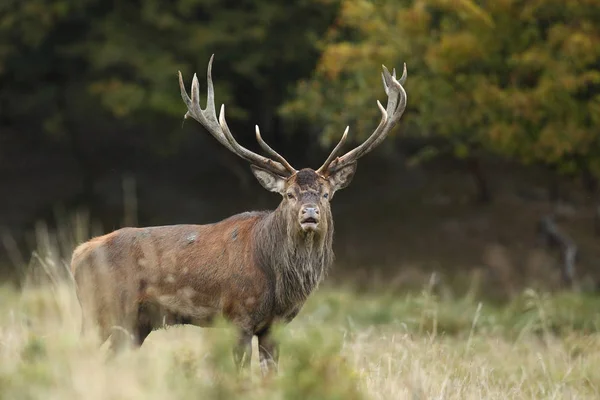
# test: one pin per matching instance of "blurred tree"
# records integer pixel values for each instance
(39, 77)
(517, 78)
(101, 77)
(262, 48)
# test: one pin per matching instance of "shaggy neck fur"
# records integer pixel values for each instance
(297, 261)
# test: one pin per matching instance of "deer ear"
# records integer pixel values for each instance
(270, 181)
(342, 177)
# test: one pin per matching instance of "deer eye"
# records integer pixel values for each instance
(326, 195)
(290, 196)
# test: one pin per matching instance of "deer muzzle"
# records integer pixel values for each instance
(309, 217)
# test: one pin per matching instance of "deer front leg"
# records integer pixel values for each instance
(243, 351)
(268, 350)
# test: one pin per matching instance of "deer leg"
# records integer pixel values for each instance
(123, 332)
(120, 339)
(268, 349)
(143, 325)
(141, 333)
(243, 351)
(130, 335)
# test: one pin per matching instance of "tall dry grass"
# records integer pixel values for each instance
(377, 344)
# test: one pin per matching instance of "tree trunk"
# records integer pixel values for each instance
(484, 195)
(553, 238)
(590, 184)
(554, 192)
(78, 149)
(597, 220)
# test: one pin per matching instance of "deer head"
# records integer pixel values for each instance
(306, 193)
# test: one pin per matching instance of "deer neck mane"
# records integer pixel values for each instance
(296, 261)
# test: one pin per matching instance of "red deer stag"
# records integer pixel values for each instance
(254, 268)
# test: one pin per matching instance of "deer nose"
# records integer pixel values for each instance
(310, 211)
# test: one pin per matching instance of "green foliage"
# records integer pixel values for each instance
(427, 313)
(70, 64)
(519, 79)
(316, 367)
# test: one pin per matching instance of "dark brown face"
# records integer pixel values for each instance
(307, 199)
(306, 194)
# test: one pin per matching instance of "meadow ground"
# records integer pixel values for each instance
(367, 341)
(344, 345)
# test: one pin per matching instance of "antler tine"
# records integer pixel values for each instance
(273, 153)
(218, 127)
(207, 117)
(210, 89)
(389, 117)
(334, 153)
(248, 155)
(402, 79)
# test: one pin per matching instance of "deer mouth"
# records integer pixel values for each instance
(309, 224)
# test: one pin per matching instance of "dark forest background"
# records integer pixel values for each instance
(492, 173)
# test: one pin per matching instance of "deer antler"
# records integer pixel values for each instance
(219, 129)
(389, 117)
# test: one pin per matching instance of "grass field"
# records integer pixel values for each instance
(376, 342)
(344, 345)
